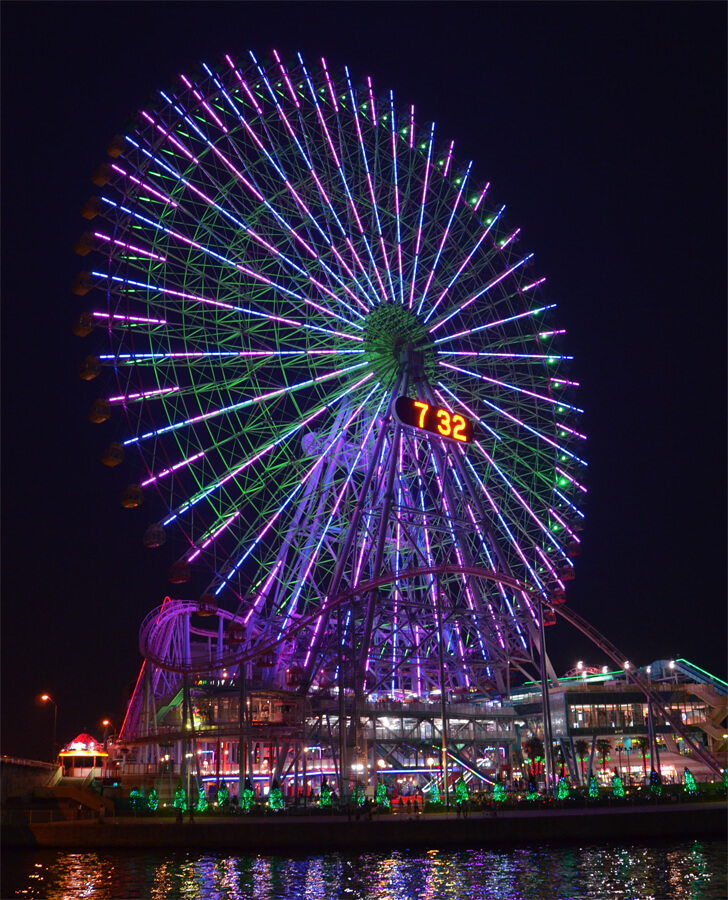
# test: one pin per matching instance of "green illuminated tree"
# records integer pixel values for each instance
(275, 798)
(359, 795)
(325, 793)
(617, 786)
(246, 801)
(153, 799)
(563, 789)
(499, 793)
(434, 792)
(593, 787)
(201, 800)
(655, 783)
(180, 801)
(223, 794)
(135, 798)
(381, 796)
(461, 791)
(690, 786)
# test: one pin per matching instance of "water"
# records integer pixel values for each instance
(674, 870)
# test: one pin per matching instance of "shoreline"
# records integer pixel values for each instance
(273, 834)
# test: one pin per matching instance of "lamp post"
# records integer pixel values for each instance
(48, 699)
(107, 723)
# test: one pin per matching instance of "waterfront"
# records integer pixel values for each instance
(672, 870)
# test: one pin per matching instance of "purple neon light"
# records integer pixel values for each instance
(134, 249)
(529, 312)
(571, 479)
(286, 79)
(475, 297)
(174, 468)
(510, 387)
(138, 319)
(566, 528)
(332, 92)
(465, 262)
(422, 214)
(143, 395)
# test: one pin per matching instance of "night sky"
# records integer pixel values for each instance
(601, 126)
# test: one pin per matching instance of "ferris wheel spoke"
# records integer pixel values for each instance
(237, 470)
(308, 214)
(446, 232)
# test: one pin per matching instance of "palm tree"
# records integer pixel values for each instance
(582, 748)
(643, 745)
(534, 750)
(603, 749)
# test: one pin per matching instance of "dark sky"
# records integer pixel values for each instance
(602, 126)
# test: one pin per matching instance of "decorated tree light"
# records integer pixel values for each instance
(617, 786)
(461, 791)
(275, 798)
(381, 796)
(180, 801)
(532, 793)
(563, 789)
(434, 792)
(135, 798)
(246, 800)
(358, 795)
(153, 799)
(593, 787)
(499, 792)
(655, 783)
(690, 786)
(201, 800)
(223, 794)
(325, 793)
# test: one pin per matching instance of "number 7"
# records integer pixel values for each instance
(423, 407)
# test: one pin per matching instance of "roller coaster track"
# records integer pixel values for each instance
(162, 618)
(606, 646)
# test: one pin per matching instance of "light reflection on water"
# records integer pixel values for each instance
(686, 870)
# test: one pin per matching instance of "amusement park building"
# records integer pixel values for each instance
(197, 733)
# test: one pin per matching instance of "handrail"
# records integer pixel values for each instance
(620, 659)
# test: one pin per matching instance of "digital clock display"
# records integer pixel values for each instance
(433, 419)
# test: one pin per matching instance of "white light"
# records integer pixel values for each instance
(626, 666)
(580, 665)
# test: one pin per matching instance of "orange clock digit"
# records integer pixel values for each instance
(458, 431)
(444, 424)
(423, 407)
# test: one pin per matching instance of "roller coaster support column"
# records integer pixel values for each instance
(548, 750)
(443, 704)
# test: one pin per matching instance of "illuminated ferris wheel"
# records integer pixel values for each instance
(342, 384)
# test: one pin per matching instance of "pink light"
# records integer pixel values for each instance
(480, 199)
(412, 127)
(565, 526)
(103, 315)
(130, 247)
(371, 100)
(245, 86)
(179, 465)
(449, 158)
(331, 87)
(286, 79)
(572, 480)
(144, 186)
(143, 395)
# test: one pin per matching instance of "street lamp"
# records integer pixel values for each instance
(48, 699)
(107, 723)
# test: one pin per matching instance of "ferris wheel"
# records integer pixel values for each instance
(341, 382)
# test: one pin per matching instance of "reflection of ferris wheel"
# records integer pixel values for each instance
(285, 255)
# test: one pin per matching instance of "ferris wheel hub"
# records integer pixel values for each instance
(389, 329)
